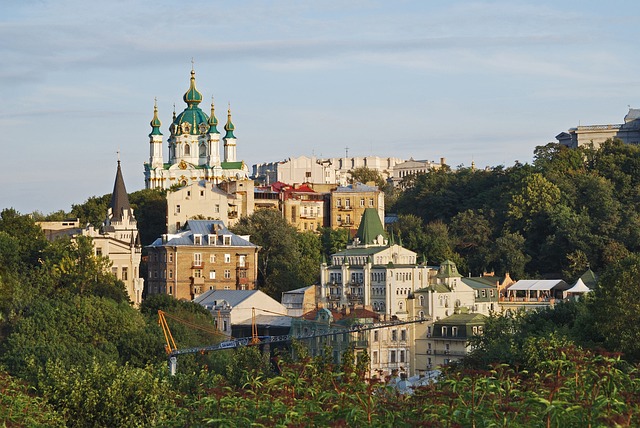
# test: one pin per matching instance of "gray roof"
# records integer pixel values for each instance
(232, 297)
(203, 228)
(358, 187)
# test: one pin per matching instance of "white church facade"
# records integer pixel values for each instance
(194, 148)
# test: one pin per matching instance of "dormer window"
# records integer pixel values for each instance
(212, 239)
(226, 240)
(197, 239)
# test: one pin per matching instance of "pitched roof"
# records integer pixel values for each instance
(589, 278)
(370, 227)
(232, 297)
(203, 228)
(119, 197)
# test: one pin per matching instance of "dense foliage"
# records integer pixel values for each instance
(571, 209)
(74, 352)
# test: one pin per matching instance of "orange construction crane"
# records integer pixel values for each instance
(170, 346)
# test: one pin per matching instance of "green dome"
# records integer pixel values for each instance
(192, 96)
(229, 126)
(155, 122)
(189, 121)
(213, 121)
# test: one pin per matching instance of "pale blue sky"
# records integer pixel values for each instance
(465, 80)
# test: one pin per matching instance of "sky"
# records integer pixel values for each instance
(481, 81)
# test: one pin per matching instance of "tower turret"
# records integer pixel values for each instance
(229, 140)
(155, 140)
(213, 138)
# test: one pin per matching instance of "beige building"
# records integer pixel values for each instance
(204, 256)
(117, 239)
(348, 204)
(303, 208)
(201, 199)
(582, 135)
(241, 199)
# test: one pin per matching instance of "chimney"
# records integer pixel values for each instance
(443, 161)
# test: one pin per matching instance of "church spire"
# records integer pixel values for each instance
(155, 122)
(213, 121)
(119, 198)
(229, 125)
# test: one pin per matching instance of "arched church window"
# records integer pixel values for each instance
(203, 150)
(187, 150)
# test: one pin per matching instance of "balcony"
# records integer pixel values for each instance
(197, 280)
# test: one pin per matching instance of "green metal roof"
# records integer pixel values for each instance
(370, 227)
(448, 269)
(458, 319)
(194, 117)
(231, 165)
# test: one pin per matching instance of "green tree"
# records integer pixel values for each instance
(616, 309)
(150, 209)
(364, 175)
(281, 256)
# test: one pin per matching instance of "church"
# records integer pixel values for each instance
(194, 147)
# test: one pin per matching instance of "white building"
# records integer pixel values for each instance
(237, 307)
(194, 147)
(305, 169)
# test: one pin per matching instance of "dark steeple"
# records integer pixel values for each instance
(119, 198)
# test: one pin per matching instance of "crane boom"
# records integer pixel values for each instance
(263, 340)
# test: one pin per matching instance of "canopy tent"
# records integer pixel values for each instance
(579, 288)
(540, 290)
(539, 285)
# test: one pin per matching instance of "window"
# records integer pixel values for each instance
(125, 273)
(371, 202)
(227, 258)
(170, 273)
(403, 335)
(226, 240)
(242, 261)
(402, 356)
(98, 252)
(212, 274)
(347, 203)
(375, 357)
(202, 193)
(339, 203)
(444, 331)
(114, 271)
(197, 273)
(171, 257)
(197, 259)
(227, 274)
(216, 208)
(375, 335)
(212, 258)
(197, 239)
(394, 335)
(177, 209)
(454, 331)
(421, 300)
(392, 356)
(362, 202)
